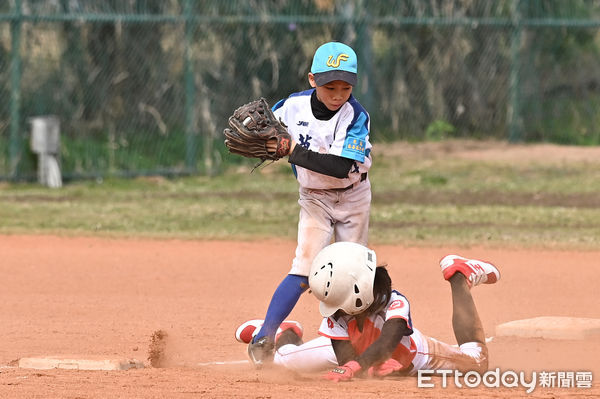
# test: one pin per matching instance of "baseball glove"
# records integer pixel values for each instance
(250, 128)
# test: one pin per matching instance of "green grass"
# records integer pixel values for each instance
(417, 200)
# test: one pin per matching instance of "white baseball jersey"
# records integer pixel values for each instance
(346, 134)
(330, 207)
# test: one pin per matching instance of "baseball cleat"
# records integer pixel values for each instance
(261, 351)
(289, 324)
(248, 330)
(476, 271)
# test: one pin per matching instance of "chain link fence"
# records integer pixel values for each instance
(146, 86)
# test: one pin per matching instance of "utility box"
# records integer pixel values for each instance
(45, 141)
(45, 134)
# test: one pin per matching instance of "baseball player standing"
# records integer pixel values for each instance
(330, 156)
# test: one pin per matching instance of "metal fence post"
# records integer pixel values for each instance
(365, 55)
(190, 93)
(15, 144)
(514, 118)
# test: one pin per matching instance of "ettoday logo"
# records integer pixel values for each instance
(507, 379)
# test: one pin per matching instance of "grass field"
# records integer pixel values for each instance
(452, 192)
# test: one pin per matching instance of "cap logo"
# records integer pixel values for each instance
(336, 63)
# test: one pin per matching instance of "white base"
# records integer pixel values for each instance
(78, 363)
(551, 327)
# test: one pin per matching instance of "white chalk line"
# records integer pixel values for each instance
(223, 363)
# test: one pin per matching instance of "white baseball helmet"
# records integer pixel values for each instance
(341, 277)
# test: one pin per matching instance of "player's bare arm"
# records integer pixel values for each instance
(381, 349)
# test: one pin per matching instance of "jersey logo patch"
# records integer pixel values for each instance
(302, 123)
(357, 145)
(396, 305)
(305, 141)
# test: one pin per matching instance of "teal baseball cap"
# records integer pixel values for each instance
(334, 61)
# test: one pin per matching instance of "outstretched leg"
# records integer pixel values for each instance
(314, 233)
(260, 349)
(463, 274)
(284, 299)
(465, 319)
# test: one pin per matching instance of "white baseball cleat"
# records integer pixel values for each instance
(249, 329)
(476, 271)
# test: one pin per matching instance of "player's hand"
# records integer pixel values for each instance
(385, 368)
(272, 145)
(343, 373)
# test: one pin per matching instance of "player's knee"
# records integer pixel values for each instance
(483, 360)
(477, 354)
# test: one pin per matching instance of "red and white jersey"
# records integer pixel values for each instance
(346, 328)
(346, 134)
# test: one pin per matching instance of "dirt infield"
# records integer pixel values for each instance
(106, 297)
